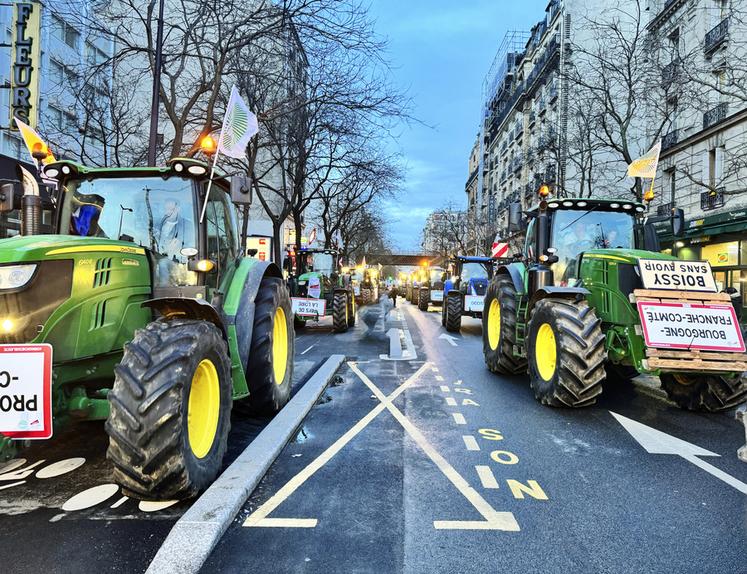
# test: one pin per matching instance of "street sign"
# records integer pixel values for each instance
(474, 303)
(26, 391)
(677, 275)
(308, 307)
(689, 326)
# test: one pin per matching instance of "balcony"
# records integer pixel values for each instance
(712, 199)
(665, 209)
(715, 115)
(670, 139)
(716, 37)
(670, 73)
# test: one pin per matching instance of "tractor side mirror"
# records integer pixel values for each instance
(6, 197)
(650, 238)
(514, 217)
(678, 222)
(241, 190)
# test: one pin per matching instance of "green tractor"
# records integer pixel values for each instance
(320, 288)
(430, 290)
(592, 299)
(158, 323)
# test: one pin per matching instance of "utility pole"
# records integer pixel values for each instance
(156, 88)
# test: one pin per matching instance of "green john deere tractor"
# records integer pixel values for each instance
(158, 323)
(571, 311)
(430, 290)
(322, 288)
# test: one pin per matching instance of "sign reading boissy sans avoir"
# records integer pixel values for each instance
(677, 275)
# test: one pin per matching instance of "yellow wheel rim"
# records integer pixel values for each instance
(203, 409)
(494, 324)
(545, 352)
(279, 346)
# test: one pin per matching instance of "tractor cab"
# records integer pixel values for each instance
(465, 290)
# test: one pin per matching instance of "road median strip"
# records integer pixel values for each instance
(198, 531)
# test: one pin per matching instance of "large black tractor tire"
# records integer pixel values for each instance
(170, 410)
(565, 347)
(704, 392)
(499, 328)
(443, 315)
(365, 297)
(340, 312)
(269, 370)
(351, 311)
(453, 306)
(424, 296)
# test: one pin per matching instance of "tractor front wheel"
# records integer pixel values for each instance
(270, 364)
(453, 313)
(170, 410)
(423, 299)
(340, 312)
(351, 311)
(565, 348)
(704, 392)
(499, 328)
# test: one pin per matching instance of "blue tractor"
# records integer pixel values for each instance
(465, 290)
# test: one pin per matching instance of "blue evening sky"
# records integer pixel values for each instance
(440, 51)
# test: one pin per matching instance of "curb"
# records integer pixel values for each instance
(199, 530)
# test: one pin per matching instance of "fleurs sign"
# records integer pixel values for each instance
(24, 94)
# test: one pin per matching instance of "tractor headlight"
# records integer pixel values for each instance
(16, 276)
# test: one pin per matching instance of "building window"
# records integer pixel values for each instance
(55, 116)
(721, 254)
(57, 73)
(65, 32)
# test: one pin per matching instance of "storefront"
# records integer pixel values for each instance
(721, 240)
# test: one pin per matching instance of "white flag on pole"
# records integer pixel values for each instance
(239, 125)
(645, 166)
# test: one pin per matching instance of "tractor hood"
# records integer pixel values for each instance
(39, 247)
(625, 255)
(309, 275)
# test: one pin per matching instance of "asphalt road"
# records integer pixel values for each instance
(465, 472)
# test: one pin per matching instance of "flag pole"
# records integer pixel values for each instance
(210, 182)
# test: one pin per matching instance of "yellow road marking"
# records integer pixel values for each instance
(259, 516)
(494, 520)
(487, 478)
(451, 401)
(459, 418)
(444, 389)
(504, 457)
(470, 442)
(439, 378)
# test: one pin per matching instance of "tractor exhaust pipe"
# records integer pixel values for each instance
(31, 205)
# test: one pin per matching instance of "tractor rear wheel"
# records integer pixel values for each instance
(170, 409)
(565, 347)
(499, 328)
(340, 312)
(423, 299)
(365, 297)
(704, 392)
(453, 306)
(270, 366)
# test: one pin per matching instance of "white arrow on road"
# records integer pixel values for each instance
(450, 338)
(657, 442)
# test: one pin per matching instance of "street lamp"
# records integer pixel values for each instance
(121, 217)
(156, 88)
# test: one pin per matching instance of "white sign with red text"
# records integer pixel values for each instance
(690, 326)
(315, 287)
(26, 391)
(305, 307)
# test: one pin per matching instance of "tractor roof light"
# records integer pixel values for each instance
(544, 190)
(648, 196)
(39, 151)
(208, 145)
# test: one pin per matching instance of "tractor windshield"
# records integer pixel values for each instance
(473, 271)
(321, 263)
(575, 231)
(436, 275)
(152, 212)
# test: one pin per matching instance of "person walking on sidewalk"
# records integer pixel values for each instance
(393, 295)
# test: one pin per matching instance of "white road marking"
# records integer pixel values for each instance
(12, 484)
(120, 502)
(459, 382)
(487, 478)
(451, 401)
(90, 497)
(470, 442)
(439, 378)
(307, 350)
(61, 467)
(155, 505)
(494, 520)
(459, 418)
(22, 473)
(449, 338)
(12, 465)
(444, 389)
(258, 517)
(434, 369)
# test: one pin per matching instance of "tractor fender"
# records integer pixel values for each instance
(452, 292)
(561, 292)
(238, 307)
(187, 308)
(516, 277)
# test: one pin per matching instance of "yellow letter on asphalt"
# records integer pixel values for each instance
(469, 403)
(504, 457)
(531, 488)
(491, 434)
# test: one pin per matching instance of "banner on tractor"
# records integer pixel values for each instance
(26, 391)
(474, 303)
(677, 275)
(315, 287)
(691, 326)
(437, 295)
(304, 307)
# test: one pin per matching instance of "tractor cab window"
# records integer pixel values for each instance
(154, 213)
(473, 271)
(435, 275)
(221, 243)
(576, 231)
(529, 243)
(323, 263)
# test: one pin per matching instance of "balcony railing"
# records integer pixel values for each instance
(716, 36)
(665, 209)
(670, 139)
(715, 115)
(712, 199)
